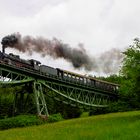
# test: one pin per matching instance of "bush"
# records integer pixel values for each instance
(55, 118)
(69, 112)
(19, 121)
(27, 120)
(119, 106)
(66, 110)
(97, 111)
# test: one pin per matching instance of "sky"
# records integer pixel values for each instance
(98, 24)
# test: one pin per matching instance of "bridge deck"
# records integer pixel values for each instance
(49, 78)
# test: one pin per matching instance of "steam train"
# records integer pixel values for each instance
(35, 66)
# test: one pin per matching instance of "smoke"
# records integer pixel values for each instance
(107, 63)
(110, 61)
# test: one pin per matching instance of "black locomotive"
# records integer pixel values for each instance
(34, 65)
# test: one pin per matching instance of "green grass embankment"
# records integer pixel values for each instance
(115, 126)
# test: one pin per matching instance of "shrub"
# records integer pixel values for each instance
(19, 121)
(69, 112)
(55, 118)
(97, 111)
(119, 106)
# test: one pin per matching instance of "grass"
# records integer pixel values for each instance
(115, 126)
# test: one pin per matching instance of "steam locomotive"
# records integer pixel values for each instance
(35, 66)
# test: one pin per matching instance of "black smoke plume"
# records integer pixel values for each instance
(55, 48)
(107, 63)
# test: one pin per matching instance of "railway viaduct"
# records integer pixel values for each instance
(63, 90)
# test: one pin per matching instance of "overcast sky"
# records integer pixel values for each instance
(99, 24)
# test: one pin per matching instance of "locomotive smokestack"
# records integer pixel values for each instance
(3, 49)
(8, 41)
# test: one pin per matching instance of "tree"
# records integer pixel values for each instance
(131, 73)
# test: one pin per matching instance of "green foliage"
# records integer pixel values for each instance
(97, 111)
(130, 88)
(9, 105)
(112, 78)
(117, 106)
(69, 112)
(6, 102)
(27, 120)
(19, 121)
(66, 110)
(55, 118)
(131, 62)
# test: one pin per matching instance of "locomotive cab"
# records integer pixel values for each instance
(35, 64)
